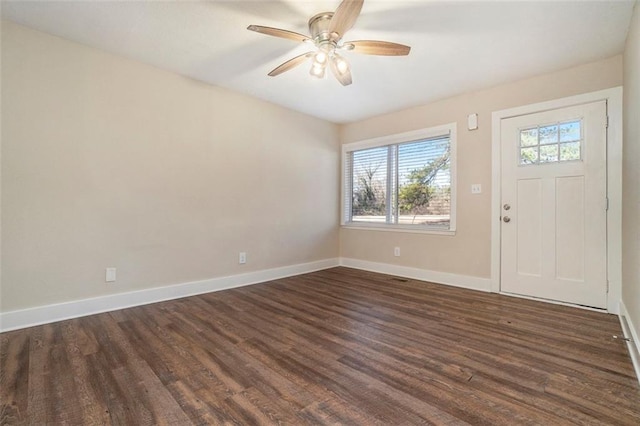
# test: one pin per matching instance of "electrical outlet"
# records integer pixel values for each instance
(476, 188)
(396, 251)
(110, 275)
(242, 258)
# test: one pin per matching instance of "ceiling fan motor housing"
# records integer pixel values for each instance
(319, 29)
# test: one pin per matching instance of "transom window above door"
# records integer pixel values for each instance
(551, 143)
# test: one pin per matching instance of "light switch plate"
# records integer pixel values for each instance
(476, 188)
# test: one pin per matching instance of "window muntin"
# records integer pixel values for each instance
(551, 143)
(407, 184)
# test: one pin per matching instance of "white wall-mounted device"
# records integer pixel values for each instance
(472, 121)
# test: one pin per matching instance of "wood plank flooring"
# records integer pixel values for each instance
(338, 346)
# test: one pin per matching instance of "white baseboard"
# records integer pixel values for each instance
(631, 332)
(23, 318)
(464, 281)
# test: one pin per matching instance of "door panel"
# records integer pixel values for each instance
(530, 229)
(570, 230)
(553, 236)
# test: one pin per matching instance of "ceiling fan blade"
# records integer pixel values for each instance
(341, 71)
(374, 47)
(277, 32)
(345, 16)
(291, 63)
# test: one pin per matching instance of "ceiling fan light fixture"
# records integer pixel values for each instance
(342, 66)
(320, 57)
(318, 70)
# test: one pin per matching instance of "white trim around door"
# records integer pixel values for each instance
(613, 97)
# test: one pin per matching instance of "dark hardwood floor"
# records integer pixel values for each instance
(333, 347)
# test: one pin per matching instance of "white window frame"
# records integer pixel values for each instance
(449, 130)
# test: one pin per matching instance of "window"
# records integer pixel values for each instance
(551, 143)
(404, 181)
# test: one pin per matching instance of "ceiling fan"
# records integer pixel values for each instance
(327, 31)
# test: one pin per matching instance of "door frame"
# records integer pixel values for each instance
(613, 97)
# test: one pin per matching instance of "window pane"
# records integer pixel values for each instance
(548, 153)
(529, 155)
(570, 131)
(424, 183)
(548, 134)
(529, 137)
(369, 185)
(570, 151)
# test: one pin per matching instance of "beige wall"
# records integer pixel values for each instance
(468, 252)
(631, 174)
(109, 162)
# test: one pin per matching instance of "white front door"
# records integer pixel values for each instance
(554, 189)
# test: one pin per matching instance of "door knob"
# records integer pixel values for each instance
(506, 219)
(507, 207)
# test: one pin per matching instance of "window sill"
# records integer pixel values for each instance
(399, 228)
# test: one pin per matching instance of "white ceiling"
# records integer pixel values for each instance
(456, 46)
